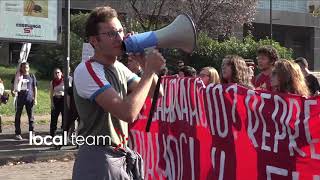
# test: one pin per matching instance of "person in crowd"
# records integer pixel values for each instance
(209, 75)
(187, 71)
(311, 80)
(105, 109)
(1, 87)
(57, 100)
(251, 65)
(164, 71)
(266, 57)
(180, 64)
(26, 96)
(4, 95)
(4, 98)
(287, 77)
(235, 70)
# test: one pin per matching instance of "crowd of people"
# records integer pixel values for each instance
(276, 75)
(24, 93)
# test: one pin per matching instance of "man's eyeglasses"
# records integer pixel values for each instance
(112, 34)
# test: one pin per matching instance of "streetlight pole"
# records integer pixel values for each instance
(66, 58)
(270, 20)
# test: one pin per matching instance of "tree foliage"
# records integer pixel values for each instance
(219, 17)
(215, 17)
(210, 52)
(150, 14)
(51, 56)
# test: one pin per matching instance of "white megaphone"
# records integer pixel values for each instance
(181, 34)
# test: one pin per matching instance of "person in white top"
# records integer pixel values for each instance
(1, 87)
(56, 99)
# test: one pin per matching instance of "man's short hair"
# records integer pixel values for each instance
(180, 63)
(302, 61)
(270, 52)
(188, 71)
(99, 15)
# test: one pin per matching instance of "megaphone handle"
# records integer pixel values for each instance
(154, 103)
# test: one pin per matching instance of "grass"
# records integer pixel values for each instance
(43, 106)
(36, 122)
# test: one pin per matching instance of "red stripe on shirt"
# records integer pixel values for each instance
(93, 74)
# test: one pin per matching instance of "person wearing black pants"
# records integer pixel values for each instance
(58, 108)
(27, 96)
(23, 101)
(57, 100)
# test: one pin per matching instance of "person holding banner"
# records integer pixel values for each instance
(209, 75)
(287, 77)
(187, 71)
(105, 109)
(311, 80)
(267, 56)
(235, 70)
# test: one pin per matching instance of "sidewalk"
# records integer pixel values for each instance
(13, 151)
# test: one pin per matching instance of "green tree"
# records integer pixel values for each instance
(53, 55)
(77, 24)
(210, 52)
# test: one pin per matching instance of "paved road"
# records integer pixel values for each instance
(52, 170)
(16, 150)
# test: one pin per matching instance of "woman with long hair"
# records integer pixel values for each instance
(209, 75)
(235, 70)
(57, 100)
(287, 77)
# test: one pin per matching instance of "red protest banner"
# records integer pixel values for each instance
(228, 132)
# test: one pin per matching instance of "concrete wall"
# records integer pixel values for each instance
(287, 18)
(299, 31)
(315, 46)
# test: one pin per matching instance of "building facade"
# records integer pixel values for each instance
(294, 26)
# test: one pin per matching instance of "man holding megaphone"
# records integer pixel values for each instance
(100, 87)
